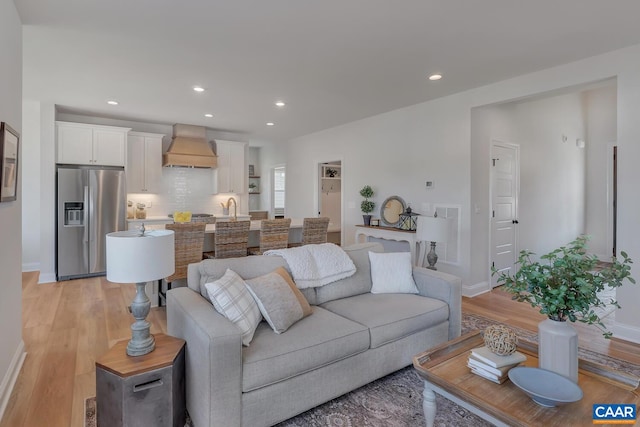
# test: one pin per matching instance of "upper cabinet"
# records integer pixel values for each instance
(144, 162)
(231, 174)
(84, 144)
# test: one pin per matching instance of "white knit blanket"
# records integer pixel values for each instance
(316, 265)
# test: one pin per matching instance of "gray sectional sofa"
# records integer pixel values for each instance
(352, 338)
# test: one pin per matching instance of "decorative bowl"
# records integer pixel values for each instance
(546, 388)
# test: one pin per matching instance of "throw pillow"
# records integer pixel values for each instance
(280, 302)
(231, 298)
(392, 273)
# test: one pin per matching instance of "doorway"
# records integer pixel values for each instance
(330, 197)
(505, 188)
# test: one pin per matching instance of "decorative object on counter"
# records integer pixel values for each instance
(181, 217)
(141, 213)
(134, 258)
(252, 171)
(9, 140)
(375, 222)
(131, 212)
(500, 339)
(391, 209)
(564, 285)
(367, 205)
(408, 220)
(431, 229)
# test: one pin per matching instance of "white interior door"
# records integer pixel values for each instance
(504, 206)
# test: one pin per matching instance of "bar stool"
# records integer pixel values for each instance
(231, 239)
(274, 234)
(188, 244)
(314, 231)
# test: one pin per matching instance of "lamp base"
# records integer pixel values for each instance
(142, 342)
(432, 257)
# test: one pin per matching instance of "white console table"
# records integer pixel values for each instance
(388, 233)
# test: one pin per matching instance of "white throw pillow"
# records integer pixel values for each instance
(232, 299)
(392, 273)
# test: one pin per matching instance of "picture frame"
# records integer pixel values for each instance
(9, 144)
(251, 170)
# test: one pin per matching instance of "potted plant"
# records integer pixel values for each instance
(367, 205)
(564, 285)
(252, 187)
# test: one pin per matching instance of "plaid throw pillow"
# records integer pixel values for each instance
(232, 299)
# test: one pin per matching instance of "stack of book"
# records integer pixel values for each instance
(485, 363)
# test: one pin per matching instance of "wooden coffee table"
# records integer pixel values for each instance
(444, 370)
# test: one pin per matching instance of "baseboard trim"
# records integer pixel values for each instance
(10, 378)
(475, 289)
(47, 278)
(30, 266)
(626, 332)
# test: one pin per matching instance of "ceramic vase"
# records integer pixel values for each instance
(366, 219)
(558, 348)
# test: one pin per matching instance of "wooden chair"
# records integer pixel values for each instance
(314, 231)
(231, 239)
(188, 244)
(274, 234)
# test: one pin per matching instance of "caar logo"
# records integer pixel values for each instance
(604, 413)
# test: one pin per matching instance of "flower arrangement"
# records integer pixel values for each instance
(565, 283)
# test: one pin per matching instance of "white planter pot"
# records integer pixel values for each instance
(558, 348)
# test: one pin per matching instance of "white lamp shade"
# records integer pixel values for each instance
(432, 229)
(132, 258)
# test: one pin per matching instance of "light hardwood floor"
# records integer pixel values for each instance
(67, 325)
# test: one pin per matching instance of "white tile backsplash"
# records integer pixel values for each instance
(186, 189)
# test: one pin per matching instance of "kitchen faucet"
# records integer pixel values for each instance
(235, 207)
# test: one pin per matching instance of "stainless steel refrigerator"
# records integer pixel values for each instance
(91, 203)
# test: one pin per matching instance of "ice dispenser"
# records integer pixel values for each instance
(73, 213)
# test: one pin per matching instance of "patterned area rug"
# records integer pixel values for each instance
(396, 400)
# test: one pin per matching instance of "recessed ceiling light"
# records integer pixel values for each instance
(208, 115)
(280, 104)
(198, 89)
(270, 124)
(435, 76)
(112, 102)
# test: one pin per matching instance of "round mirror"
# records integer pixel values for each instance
(391, 209)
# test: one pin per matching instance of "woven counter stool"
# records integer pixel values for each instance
(231, 239)
(314, 231)
(274, 234)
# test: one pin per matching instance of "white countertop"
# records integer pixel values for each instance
(211, 228)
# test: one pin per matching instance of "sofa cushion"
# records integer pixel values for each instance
(392, 273)
(313, 342)
(390, 317)
(231, 298)
(357, 284)
(280, 302)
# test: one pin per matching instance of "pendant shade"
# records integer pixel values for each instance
(132, 258)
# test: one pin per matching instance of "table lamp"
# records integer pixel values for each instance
(431, 229)
(135, 257)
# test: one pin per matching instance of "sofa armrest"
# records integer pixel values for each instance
(213, 358)
(445, 287)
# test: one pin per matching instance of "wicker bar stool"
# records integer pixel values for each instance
(188, 244)
(274, 234)
(231, 239)
(314, 231)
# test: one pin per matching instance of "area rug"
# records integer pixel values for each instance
(396, 400)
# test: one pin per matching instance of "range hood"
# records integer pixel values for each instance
(190, 148)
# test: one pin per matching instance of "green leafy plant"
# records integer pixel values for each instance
(565, 283)
(366, 206)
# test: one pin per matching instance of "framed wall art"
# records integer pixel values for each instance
(9, 140)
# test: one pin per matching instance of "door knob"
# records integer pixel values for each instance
(515, 221)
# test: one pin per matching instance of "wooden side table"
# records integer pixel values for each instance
(145, 390)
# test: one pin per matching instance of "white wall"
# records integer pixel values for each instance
(271, 156)
(397, 151)
(31, 179)
(11, 345)
(601, 136)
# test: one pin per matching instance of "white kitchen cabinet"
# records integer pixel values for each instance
(84, 144)
(144, 162)
(231, 174)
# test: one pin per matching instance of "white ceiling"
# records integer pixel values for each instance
(332, 61)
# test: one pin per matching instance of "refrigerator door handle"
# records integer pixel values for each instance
(92, 224)
(85, 220)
